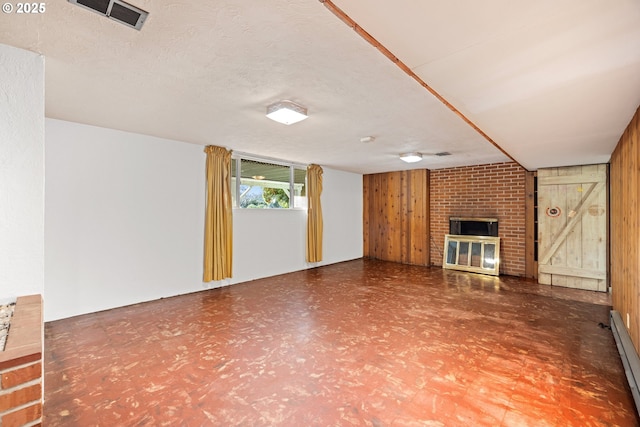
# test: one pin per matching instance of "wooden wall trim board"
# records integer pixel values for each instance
(404, 67)
(625, 228)
(396, 216)
(531, 264)
(570, 179)
(572, 271)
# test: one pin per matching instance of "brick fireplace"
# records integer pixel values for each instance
(495, 191)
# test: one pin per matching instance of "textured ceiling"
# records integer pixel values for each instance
(552, 83)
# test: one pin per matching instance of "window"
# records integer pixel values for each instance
(258, 184)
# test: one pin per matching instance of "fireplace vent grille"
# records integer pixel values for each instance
(469, 226)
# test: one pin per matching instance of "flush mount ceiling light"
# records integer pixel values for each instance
(411, 157)
(286, 112)
(117, 10)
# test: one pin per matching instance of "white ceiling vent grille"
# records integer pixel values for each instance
(117, 10)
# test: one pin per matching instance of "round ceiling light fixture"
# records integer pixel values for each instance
(411, 157)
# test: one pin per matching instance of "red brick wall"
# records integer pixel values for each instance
(494, 191)
(21, 366)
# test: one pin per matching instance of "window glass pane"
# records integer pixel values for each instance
(489, 256)
(451, 252)
(263, 185)
(300, 188)
(463, 254)
(476, 251)
(234, 199)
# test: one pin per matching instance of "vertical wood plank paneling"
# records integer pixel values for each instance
(366, 197)
(405, 217)
(544, 242)
(397, 221)
(592, 253)
(394, 206)
(384, 244)
(380, 224)
(562, 198)
(418, 218)
(426, 206)
(419, 214)
(633, 235)
(409, 214)
(531, 267)
(373, 224)
(625, 228)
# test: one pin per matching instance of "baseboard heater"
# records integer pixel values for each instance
(628, 354)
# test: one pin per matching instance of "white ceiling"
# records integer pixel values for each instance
(551, 82)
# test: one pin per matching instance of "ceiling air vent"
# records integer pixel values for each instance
(443, 153)
(117, 10)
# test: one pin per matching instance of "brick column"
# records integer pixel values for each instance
(21, 392)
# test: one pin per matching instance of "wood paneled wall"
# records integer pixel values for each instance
(396, 216)
(625, 228)
(530, 242)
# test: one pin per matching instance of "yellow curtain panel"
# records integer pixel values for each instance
(314, 213)
(218, 231)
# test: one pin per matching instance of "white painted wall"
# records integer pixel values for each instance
(125, 220)
(21, 173)
(342, 215)
(270, 242)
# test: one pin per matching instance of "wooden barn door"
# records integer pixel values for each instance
(572, 227)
